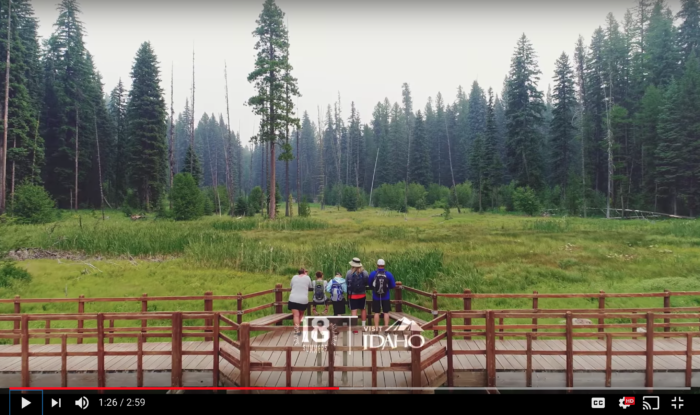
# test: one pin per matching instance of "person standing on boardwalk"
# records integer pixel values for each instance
(299, 297)
(338, 290)
(320, 293)
(357, 281)
(381, 282)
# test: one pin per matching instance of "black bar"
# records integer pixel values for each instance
(149, 401)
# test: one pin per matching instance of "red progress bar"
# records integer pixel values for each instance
(165, 389)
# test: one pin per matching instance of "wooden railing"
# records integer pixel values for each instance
(445, 330)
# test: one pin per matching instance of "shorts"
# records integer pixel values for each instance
(296, 306)
(315, 304)
(338, 307)
(357, 303)
(385, 306)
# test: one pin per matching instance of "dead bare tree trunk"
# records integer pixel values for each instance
(172, 139)
(193, 153)
(212, 171)
(99, 169)
(12, 179)
(323, 173)
(3, 153)
(449, 152)
(227, 151)
(298, 172)
(36, 137)
(77, 148)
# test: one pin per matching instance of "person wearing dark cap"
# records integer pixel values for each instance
(357, 281)
(381, 282)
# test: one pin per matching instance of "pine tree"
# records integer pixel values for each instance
(562, 128)
(117, 110)
(192, 164)
(493, 170)
(689, 30)
(662, 56)
(478, 163)
(420, 154)
(670, 152)
(524, 117)
(271, 63)
(146, 117)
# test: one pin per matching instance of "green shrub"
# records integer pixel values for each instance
(11, 273)
(416, 192)
(255, 199)
(421, 204)
(208, 206)
(241, 207)
(304, 209)
(188, 203)
(32, 205)
(350, 199)
(436, 194)
(525, 200)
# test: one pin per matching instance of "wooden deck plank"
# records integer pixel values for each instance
(269, 379)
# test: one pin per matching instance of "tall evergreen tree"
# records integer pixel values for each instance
(117, 110)
(146, 117)
(493, 171)
(689, 30)
(420, 154)
(562, 127)
(524, 117)
(271, 63)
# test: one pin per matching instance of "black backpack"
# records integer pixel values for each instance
(380, 285)
(319, 293)
(357, 284)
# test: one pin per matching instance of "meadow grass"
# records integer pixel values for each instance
(487, 253)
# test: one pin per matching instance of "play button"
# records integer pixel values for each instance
(25, 403)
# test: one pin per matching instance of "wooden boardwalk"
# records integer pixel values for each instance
(432, 377)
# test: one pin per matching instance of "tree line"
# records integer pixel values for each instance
(617, 129)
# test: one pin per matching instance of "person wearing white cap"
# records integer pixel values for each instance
(381, 282)
(357, 281)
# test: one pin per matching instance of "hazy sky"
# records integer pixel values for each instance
(363, 49)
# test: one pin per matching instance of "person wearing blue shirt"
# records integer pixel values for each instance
(381, 282)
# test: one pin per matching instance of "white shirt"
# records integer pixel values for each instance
(300, 289)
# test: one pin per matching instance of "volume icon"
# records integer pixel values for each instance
(82, 403)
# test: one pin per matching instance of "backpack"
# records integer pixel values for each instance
(319, 293)
(336, 291)
(357, 284)
(380, 285)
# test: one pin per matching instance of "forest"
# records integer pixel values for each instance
(618, 130)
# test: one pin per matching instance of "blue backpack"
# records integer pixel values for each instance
(336, 291)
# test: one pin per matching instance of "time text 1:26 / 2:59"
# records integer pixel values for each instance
(123, 402)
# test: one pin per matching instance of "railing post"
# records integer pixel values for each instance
(608, 359)
(48, 331)
(490, 349)
(346, 333)
(331, 356)
(81, 310)
(208, 307)
(535, 305)
(100, 350)
(144, 323)
(650, 351)
(176, 375)
(435, 310)
(667, 304)
(244, 341)
(215, 356)
(111, 331)
(689, 360)
(450, 363)
(279, 309)
(64, 361)
(569, 351)
(139, 361)
(18, 309)
(288, 368)
(528, 355)
(634, 329)
(467, 307)
(601, 308)
(398, 296)
(374, 371)
(415, 361)
(239, 316)
(25, 351)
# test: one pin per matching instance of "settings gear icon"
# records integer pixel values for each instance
(622, 403)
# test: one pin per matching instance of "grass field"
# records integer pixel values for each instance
(488, 253)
